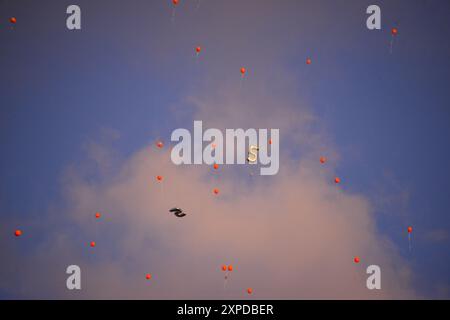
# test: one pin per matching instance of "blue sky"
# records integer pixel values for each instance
(387, 113)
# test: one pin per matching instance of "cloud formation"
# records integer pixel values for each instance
(288, 236)
(293, 235)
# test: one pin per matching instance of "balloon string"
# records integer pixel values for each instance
(225, 280)
(173, 15)
(392, 43)
(162, 194)
(409, 241)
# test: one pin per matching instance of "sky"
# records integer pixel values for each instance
(81, 111)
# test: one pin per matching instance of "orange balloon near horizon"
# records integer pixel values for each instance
(175, 2)
(159, 178)
(323, 160)
(337, 180)
(198, 49)
(18, 233)
(394, 31)
(230, 268)
(356, 259)
(216, 191)
(249, 290)
(224, 268)
(243, 71)
(148, 276)
(159, 144)
(98, 215)
(308, 61)
(410, 229)
(13, 20)
(93, 244)
(216, 166)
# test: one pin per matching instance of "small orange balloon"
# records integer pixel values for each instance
(148, 276)
(216, 191)
(323, 160)
(198, 49)
(356, 259)
(394, 31)
(270, 141)
(216, 166)
(249, 290)
(13, 20)
(159, 178)
(224, 268)
(230, 268)
(93, 244)
(243, 71)
(98, 215)
(337, 180)
(175, 2)
(159, 144)
(308, 61)
(18, 233)
(409, 229)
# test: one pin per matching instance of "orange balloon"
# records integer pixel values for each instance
(216, 191)
(198, 49)
(13, 20)
(98, 215)
(175, 2)
(337, 180)
(159, 178)
(148, 276)
(394, 31)
(216, 166)
(230, 268)
(270, 141)
(308, 61)
(213, 145)
(409, 229)
(356, 259)
(93, 244)
(249, 290)
(323, 159)
(159, 144)
(243, 71)
(18, 233)
(224, 268)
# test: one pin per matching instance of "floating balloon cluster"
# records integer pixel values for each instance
(227, 269)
